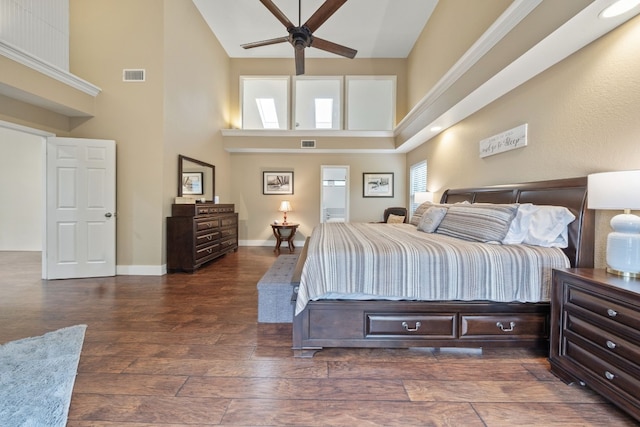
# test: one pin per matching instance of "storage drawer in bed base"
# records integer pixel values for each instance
(419, 324)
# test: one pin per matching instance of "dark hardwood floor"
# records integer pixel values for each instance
(186, 350)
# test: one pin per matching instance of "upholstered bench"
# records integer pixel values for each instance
(276, 291)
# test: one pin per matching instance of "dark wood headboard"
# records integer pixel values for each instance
(570, 193)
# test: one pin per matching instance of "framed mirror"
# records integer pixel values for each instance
(196, 178)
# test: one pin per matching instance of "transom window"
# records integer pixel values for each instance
(319, 102)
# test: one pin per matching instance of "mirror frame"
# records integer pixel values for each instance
(181, 159)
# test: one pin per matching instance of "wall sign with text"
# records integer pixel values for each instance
(505, 141)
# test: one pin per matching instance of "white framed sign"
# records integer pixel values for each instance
(505, 141)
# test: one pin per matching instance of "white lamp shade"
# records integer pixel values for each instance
(619, 191)
(420, 197)
(614, 190)
(285, 206)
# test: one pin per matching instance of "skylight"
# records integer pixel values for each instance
(268, 115)
(324, 113)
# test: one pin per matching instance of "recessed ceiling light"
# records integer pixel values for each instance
(437, 128)
(618, 8)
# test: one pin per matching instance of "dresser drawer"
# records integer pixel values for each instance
(603, 306)
(408, 325)
(607, 373)
(610, 342)
(225, 243)
(207, 224)
(532, 325)
(207, 238)
(228, 221)
(207, 251)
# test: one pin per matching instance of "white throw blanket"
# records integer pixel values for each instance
(396, 261)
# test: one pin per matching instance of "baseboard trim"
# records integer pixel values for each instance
(141, 270)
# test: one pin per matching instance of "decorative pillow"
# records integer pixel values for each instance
(395, 219)
(420, 210)
(478, 222)
(431, 218)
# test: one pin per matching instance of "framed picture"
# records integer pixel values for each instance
(277, 182)
(377, 184)
(192, 183)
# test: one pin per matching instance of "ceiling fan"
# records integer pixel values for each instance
(302, 36)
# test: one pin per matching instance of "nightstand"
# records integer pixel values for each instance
(595, 334)
(284, 233)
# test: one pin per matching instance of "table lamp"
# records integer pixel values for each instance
(419, 197)
(619, 191)
(285, 207)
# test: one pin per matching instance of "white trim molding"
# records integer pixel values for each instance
(20, 56)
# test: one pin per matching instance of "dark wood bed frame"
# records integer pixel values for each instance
(404, 324)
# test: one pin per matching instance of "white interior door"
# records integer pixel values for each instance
(81, 205)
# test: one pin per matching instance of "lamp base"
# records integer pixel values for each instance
(625, 274)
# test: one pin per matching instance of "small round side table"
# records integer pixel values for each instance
(284, 233)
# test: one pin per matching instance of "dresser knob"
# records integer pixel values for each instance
(611, 312)
(609, 375)
(611, 344)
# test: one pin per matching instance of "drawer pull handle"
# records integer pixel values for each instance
(611, 344)
(405, 325)
(611, 312)
(209, 237)
(609, 375)
(512, 326)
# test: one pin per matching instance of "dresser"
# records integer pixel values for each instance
(595, 334)
(198, 233)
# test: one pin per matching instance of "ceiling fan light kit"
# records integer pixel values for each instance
(301, 36)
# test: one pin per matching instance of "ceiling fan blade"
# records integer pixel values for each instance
(332, 47)
(323, 13)
(277, 13)
(265, 42)
(299, 61)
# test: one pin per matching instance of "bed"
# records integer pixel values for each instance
(346, 321)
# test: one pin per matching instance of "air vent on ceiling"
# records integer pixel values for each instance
(133, 75)
(308, 143)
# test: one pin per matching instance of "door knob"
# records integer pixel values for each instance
(108, 215)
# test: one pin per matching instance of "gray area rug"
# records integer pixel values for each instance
(37, 376)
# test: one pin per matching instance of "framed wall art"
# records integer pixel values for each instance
(277, 182)
(192, 183)
(377, 184)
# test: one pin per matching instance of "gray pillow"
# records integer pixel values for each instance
(479, 223)
(420, 210)
(431, 218)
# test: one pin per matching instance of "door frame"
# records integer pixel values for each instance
(346, 194)
(43, 135)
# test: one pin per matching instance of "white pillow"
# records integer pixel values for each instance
(540, 225)
(520, 224)
(548, 227)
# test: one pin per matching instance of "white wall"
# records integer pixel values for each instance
(40, 28)
(21, 191)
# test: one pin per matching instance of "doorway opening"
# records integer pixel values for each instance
(334, 194)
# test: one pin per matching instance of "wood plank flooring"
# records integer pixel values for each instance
(186, 350)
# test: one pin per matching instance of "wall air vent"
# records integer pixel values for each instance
(133, 75)
(308, 143)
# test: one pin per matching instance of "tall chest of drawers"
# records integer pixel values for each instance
(199, 233)
(595, 334)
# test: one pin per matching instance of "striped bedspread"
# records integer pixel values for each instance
(395, 261)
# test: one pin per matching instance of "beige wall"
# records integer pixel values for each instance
(582, 117)
(256, 210)
(453, 27)
(177, 110)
